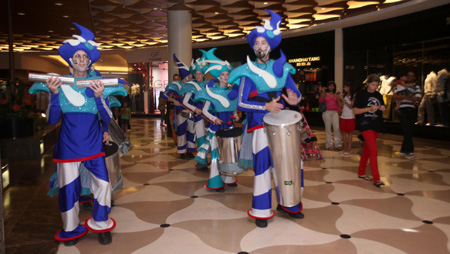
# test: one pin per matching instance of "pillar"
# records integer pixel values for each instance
(179, 29)
(339, 59)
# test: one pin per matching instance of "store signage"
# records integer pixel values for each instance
(304, 61)
(147, 55)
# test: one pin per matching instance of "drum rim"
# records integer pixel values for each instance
(281, 124)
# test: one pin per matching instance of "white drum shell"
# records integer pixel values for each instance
(285, 148)
(114, 172)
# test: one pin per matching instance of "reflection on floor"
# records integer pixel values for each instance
(165, 208)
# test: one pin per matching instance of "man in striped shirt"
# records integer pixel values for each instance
(410, 95)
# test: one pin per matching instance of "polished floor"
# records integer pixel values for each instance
(165, 208)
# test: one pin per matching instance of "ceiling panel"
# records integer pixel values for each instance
(143, 23)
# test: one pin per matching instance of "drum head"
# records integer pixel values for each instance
(284, 117)
(110, 149)
(229, 133)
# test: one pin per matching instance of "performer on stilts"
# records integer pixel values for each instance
(81, 139)
(184, 126)
(263, 85)
(220, 110)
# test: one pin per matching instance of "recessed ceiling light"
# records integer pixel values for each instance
(72, 28)
(216, 12)
(58, 3)
(65, 16)
(322, 9)
(266, 3)
(21, 13)
(50, 31)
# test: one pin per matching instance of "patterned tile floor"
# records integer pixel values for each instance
(165, 208)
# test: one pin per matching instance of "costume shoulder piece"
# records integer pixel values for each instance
(114, 102)
(272, 78)
(191, 87)
(175, 86)
(219, 97)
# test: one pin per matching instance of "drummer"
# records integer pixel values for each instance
(263, 88)
(184, 126)
(220, 110)
(188, 91)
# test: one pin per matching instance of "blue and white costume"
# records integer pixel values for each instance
(190, 102)
(260, 83)
(220, 102)
(184, 126)
(81, 142)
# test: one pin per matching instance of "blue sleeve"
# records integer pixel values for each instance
(290, 84)
(233, 93)
(244, 92)
(166, 94)
(54, 110)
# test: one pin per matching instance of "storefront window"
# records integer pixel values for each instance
(391, 48)
(147, 80)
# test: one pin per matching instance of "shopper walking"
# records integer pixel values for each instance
(369, 108)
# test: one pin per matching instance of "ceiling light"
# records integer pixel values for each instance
(58, 3)
(50, 31)
(21, 13)
(216, 12)
(265, 3)
(323, 8)
(65, 16)
(200, 40)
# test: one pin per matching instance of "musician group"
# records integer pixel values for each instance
(259, 89)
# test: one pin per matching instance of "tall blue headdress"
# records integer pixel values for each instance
(182, 68)
(270, 31)
(216, 65)
(199, 64)
(84, 41)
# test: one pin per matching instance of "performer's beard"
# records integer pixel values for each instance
(262, 53)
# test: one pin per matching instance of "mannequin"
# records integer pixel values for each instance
(427, 100)
(442, 96)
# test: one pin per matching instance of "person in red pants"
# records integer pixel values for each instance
(368, 109)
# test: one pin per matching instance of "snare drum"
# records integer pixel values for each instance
(283, 133)
(113, 166)
(229, 143)
(187, 113)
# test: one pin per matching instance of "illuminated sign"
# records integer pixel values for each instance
(304, 61)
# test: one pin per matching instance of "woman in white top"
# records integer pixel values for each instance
(348, 122)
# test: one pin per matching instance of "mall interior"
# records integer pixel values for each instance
(159, 200)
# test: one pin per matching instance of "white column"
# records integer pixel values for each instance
(179, 29)
(339, 59)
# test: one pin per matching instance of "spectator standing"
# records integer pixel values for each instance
(125, 116)
(162, 109)
(331, 115)
(409, 96)
(348, 122)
